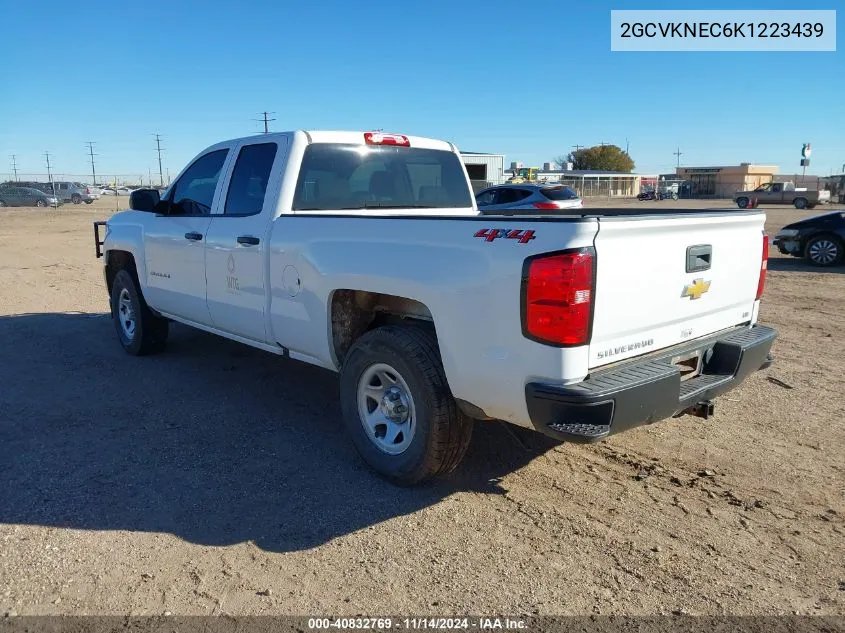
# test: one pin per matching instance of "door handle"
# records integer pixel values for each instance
(193, 236)
(248, 240)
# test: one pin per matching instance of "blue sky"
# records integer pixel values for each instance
(526, 79)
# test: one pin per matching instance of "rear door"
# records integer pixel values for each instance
(663, 280)
(236, 244)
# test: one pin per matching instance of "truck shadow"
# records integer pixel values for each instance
(798, 265)
(212, 441)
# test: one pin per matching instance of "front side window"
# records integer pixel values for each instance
(193, 193)
(338, 176)
(248, 185)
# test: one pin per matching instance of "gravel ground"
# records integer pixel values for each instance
(215, 478)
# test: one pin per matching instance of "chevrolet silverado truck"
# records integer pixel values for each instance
(782, 193)
(365, 253)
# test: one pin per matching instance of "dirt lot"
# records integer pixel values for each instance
(216, 479)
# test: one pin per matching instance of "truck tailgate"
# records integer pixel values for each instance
(663, 280)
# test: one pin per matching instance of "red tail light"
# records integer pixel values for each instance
(764, 266)
(545, 205)
(557, 297)
(379, 138)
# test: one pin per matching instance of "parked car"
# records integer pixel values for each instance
(364, 253)
(26, 197)
(782, 193)
(529, 197)
(819, 239)
(119, 191)
(74, 192)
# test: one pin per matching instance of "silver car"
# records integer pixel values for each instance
(530, 197)
(75, 192)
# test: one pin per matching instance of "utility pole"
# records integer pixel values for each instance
(91, 153)
(266, 119)
(14, 165)
(578, 147)
(626, 146)
(678, 153)
(50, 174)
(160, 172)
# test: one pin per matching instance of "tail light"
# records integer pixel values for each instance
(545, 205)
(88, 190)
(557, 297)
(764, 266)
(379, 138)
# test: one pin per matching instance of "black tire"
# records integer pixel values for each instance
(824, 250)
(742, 203)
(800, 203)
(40, 203)
(442, 432)
(2, 203)
(150, 331)
(76, 199)
(89, 201)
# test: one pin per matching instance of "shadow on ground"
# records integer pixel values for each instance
(212, 441)
(799, 265)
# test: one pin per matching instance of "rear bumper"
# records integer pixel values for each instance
(648, 390)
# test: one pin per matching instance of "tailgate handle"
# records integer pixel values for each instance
(699, 257)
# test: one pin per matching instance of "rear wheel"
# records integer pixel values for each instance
(800, 203)
(89, 201)
(139, 331)
(824, 250)
(76, 199)
(398, 408)
(2, 203)
(742, 203)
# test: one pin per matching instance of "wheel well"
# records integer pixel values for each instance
(355, 312)
(117, 261)
(833, 237)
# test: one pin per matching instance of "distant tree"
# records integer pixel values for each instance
(601, 158)
(561, 160)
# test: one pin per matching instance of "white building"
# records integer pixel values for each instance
(484, 169)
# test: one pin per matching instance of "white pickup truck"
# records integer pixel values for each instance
(365, 253)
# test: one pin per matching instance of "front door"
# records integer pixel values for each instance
(237, 241)
(174, 241)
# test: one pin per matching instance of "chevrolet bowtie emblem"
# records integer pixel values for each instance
(697, 288)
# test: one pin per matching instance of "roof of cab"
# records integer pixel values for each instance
(327, 136)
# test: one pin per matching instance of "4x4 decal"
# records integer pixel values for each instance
(522, 237)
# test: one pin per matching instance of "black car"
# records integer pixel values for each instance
(821, 239)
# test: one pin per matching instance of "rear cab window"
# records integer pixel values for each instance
(338, 176)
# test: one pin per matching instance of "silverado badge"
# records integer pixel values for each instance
(697, 288)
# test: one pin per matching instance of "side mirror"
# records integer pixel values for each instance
(144, 200)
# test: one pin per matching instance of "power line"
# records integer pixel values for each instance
(160, 171)
(578, 147)
(50, 174)
(91, 153)
(678, 153)
(266, 119)
(14, 165)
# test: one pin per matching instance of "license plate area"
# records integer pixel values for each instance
(689, 364)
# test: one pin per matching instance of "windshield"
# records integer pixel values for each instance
(337, 176)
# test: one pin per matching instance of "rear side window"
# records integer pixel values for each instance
(559, 193)
(344, 176)
(248, 185)
(511, 196)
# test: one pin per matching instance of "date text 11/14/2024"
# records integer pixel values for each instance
(422, 623)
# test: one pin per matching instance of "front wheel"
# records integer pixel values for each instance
(398, 408)
(742, 203)
(139, 331)
(40, 203)
(88, 201)
(824, 251)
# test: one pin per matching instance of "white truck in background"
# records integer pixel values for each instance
(364, 253)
